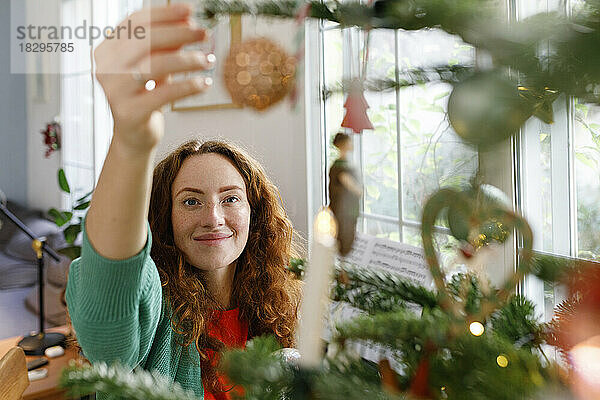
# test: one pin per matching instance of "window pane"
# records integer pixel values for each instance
(537, 181)
(426, 48)
(546, 179)
(380, 147)
(333, 62)
(445, 245)
(432, 154)
(333, 72)
(77, 120)
(380, 156)
(380, 229)
(74, 13)
(587, 177)
(527, 8)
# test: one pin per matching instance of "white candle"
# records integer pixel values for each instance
(316, 288)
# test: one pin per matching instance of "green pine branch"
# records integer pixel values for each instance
(570, 67)
(410, 15)
(297, 266)
(489, 367)
(418, 76)
(265, 375)
(365, 381)
(517, 323)
(461, 363)
(400, 329)
(375, 291)
(121, 382)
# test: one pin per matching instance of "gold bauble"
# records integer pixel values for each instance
(258, 73)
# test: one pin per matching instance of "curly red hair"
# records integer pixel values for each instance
(266, 293)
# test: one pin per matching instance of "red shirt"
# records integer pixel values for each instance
(227, 327)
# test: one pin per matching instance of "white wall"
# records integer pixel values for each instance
(42, 187)
(13, 112)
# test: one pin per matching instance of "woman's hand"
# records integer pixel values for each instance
(125, 63)
(116, 220)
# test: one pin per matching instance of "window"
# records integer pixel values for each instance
(413, 150)
(559, 177)
(552, 172)
(85, 114)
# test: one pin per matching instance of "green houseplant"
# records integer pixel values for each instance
(70, 220)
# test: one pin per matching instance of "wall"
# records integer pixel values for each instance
(43, 105)
(13, 116)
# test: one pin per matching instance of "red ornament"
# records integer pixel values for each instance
(51, 137)
(356, 106)
(467, 250)
(419, 386)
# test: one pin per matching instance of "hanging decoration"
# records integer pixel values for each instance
(52, 134)
(345, 192)
(258, 73)
(419, 386)
(356, 106)
(486, 109)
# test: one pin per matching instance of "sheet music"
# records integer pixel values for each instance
(401, 259)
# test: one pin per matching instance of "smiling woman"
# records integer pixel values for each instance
(178, 263)
(226, 238)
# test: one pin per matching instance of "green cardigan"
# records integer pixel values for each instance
(118, 314)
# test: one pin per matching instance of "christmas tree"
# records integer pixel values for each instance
(471, 340)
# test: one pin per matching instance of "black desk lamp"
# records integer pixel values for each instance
(36, 344)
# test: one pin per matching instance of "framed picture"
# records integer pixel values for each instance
(223, 33)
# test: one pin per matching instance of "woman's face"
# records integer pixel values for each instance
(210, 213)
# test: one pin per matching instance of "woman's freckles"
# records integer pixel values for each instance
(211, 213)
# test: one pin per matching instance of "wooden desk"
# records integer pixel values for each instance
(47, 388)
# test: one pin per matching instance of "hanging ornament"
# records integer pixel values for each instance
(345, 191)
(419, 386)
(486, 109)
(259, 73)
(356, 106)
(473, 225)
(51, 137)
(389, 380)
(541, 100)
(473, 207)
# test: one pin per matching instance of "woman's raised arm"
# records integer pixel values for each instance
(116, 220)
